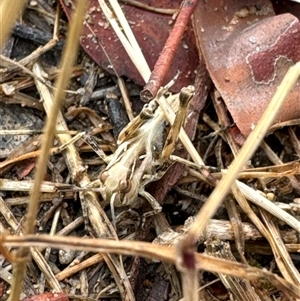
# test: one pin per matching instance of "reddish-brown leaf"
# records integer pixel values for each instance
(25, 169)
(248, 50)
(151, 31)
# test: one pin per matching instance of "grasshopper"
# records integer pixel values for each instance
(141, 157)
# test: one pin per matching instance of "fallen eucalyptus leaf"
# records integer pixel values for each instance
(248, 50)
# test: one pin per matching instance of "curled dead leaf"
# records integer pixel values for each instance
(248, 50)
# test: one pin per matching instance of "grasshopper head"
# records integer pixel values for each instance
(124, 189)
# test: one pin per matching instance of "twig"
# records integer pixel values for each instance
(125, 96)
(164, 61)
(149, 250)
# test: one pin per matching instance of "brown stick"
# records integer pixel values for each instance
(163, 63)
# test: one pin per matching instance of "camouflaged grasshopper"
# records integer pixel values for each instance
(141, 157)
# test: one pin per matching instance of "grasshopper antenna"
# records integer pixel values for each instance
(112, 209)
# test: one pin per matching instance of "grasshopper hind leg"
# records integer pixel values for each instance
(185, 96)
(152, 201)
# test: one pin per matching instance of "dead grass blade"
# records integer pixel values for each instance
(271, 233)
(275, 159)
(263, 202)
(152, 251)
(282, 256)
(69, 57)
(186, 246)
(8, 15)
(126, 37)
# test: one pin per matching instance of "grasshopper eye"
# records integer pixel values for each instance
(103, 176)
(125, 186)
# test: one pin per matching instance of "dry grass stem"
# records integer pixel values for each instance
(261, 201)
(222, 230)
(125, 96)
(8, 15)
(266, 204)
(246, 152)
(62, 82)
(69, 271)
(282, 257)
(127, 38)
(48, 187)
(275, 159)
(152, 251)
(33, 132)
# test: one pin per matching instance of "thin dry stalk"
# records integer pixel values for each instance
(186, 246)
(66, 273)
(148, 250)
(126, 100)
(127, 38)
(295, 141)
(283, 124)
(274, 171)
(282, 257)
(32, 132)
(8, 15)
(27, 185)
(224, 122)
(261, 201)
(62, 82)
(29, 155)
(223, 231)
